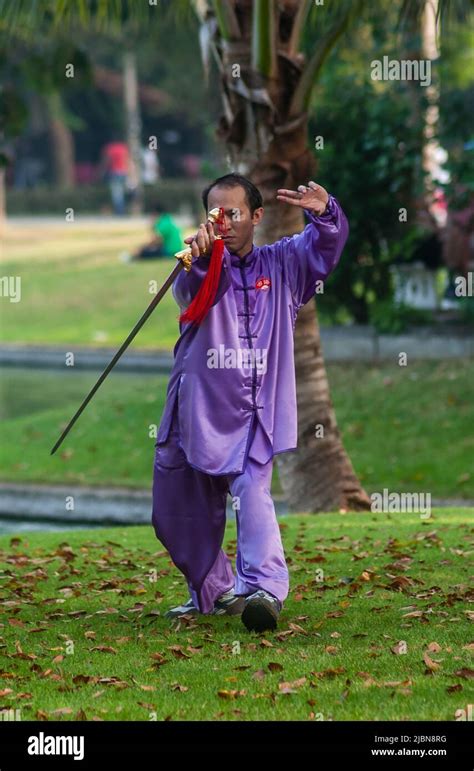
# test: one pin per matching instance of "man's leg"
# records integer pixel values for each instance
(189, 516)
(117, 192)
(260, 562)
(150, 251)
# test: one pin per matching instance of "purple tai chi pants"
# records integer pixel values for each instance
(189, 518)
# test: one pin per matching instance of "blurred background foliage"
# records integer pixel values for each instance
(371, 130)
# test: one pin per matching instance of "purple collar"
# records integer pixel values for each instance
(243, 262)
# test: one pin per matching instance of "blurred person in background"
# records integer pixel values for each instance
(115, 166)
(150, 166)
(167, 238)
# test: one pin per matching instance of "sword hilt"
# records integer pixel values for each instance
(185, 255)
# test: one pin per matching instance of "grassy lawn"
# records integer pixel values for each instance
(376, 627)
(74, 290)
(406, 429)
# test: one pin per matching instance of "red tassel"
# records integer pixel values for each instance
(202, 302)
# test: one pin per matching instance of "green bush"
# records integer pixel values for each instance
(390, 318)
(93, 199)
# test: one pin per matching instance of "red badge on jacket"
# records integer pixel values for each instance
(263, 283)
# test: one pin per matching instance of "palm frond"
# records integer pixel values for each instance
(227, 20)
(299, 22)
(98, 14)
(264, 38)
(324, 46)
(207, 32)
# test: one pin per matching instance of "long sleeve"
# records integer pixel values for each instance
(313, 254)
(187, 284)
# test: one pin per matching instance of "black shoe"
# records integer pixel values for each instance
(230, 604)
(261, 611)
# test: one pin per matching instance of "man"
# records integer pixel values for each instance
(116, 165)
(231, 400)
(166, 241)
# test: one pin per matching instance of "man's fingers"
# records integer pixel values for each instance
(313, 185)
(194, 249)
(291, 196)
(202, 238)
(287, 193)
(211, 234)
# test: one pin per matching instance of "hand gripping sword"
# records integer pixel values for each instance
(184, 261)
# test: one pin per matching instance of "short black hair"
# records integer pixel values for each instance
(252, 193)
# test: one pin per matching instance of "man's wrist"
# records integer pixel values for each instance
(328, 211)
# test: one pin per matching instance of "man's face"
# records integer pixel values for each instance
(239, 222)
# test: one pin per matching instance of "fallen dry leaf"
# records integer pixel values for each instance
(396, 683)
(178, 652)
(225, 694)
(274, 666)
(329, 672)
(430, 663)
(400, 648)
(290, 687)
(465, 672)
(104, 649)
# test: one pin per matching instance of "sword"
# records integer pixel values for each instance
(184, 261)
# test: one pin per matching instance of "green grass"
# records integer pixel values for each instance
(110, 444)
(405, 429)
(408, 428)
(74, 290)
(83, 630)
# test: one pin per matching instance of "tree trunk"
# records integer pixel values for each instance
(431, 145)
(3, 207)
(62, 144)
(272, 149)
(319, 475)
(133, 122)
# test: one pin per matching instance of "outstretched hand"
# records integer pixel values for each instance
(313, 197)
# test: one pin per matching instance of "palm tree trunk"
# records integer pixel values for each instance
(336, 486)
(274, 153)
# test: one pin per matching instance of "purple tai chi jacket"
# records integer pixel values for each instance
(239, 364)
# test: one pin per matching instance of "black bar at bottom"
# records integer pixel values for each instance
(427, 741)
